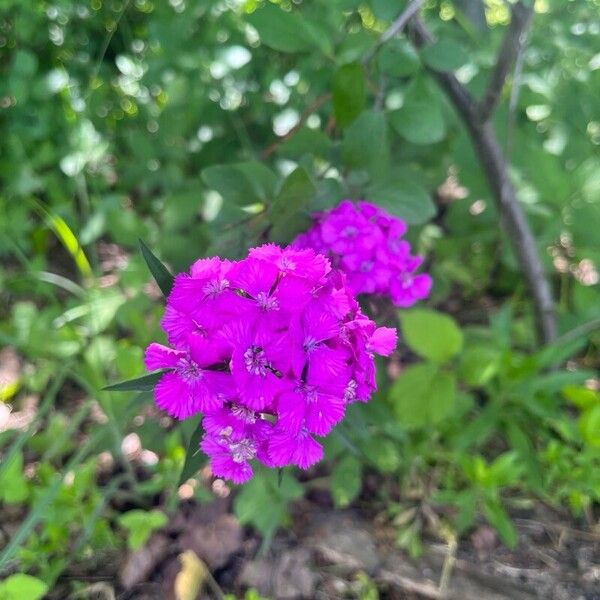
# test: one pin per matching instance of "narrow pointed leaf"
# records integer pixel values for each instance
(145, 383)
(195, 459)
(161, 274)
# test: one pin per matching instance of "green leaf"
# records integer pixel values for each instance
(195, 459)
(431, 334)
(365, 143)
(161, 274)
(420, 120)
(288, 31)
(500, 521)
(349, 93)
(264, 490)
(145, 383)
(403, 198)
(422, 395)
(589, 426)
(445, 55)
(398, 58)
(13, 485)
(582, 397)
(346, 480)
(286, 211)
(383, 453)
(479, 364)
(22, 587)
(140, 524)
(241, 183)
(306, 141)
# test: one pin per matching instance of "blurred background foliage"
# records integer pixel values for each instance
(206, 127)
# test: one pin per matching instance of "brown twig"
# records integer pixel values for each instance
(495, 168)
(513, 42)
(318, 102)
(412, 8)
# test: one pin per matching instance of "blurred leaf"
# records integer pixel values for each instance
(431, 334)
(365, 143)
(13, 485)
(420, 119)
(445, 55)
(500, 521)
(241, 183)
(383, 453)
(286, 211)
(349, 93)
(195, 459)
(398, 58)
(403, 198)
(474, 10)
(22, 587)
(346, 480)
(140, 524)
(161, 274)
(287, 31)
(190, 579)
(422, 395)
(264, 490)
(145, 383)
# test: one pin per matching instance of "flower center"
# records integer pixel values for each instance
(287, 264)
(267, 302)
(242, 451)
(349, 231)
(243, 413)
(310, 343)
(366, 266)
(188, 370)
(406, 280)
(214, 287)
(350, 391)
(256, 362)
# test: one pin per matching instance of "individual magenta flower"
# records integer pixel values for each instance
(366, 243)
(270, 350)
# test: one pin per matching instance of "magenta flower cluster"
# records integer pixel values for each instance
(270, 349)
(366, 243)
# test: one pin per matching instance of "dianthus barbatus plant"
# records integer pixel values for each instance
(366, 243)
(270, 349)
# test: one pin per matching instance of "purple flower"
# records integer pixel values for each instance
(365, 242)
(270, 349)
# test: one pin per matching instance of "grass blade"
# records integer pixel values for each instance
(145, 383)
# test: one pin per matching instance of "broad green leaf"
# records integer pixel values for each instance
(589, 426)
(420, 120)
(398, 58)
(422, 395)
(306, 141)
(445, 55)
(287, 31)
(431, 334)
(145, 383)
(479, 364)
(262, 491)
(582, 397)
(241, 183)
(161, 274)
(349, 93)
(140, 524)
(365, 143)
(22, 587)
(346, 480)
(403, 198)
(286, 211)
(13, 485)
(195, 459)
(500, 521)
(383, 453)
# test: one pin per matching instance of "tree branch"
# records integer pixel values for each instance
(495, 168)
(513, 43)
(395, 28)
